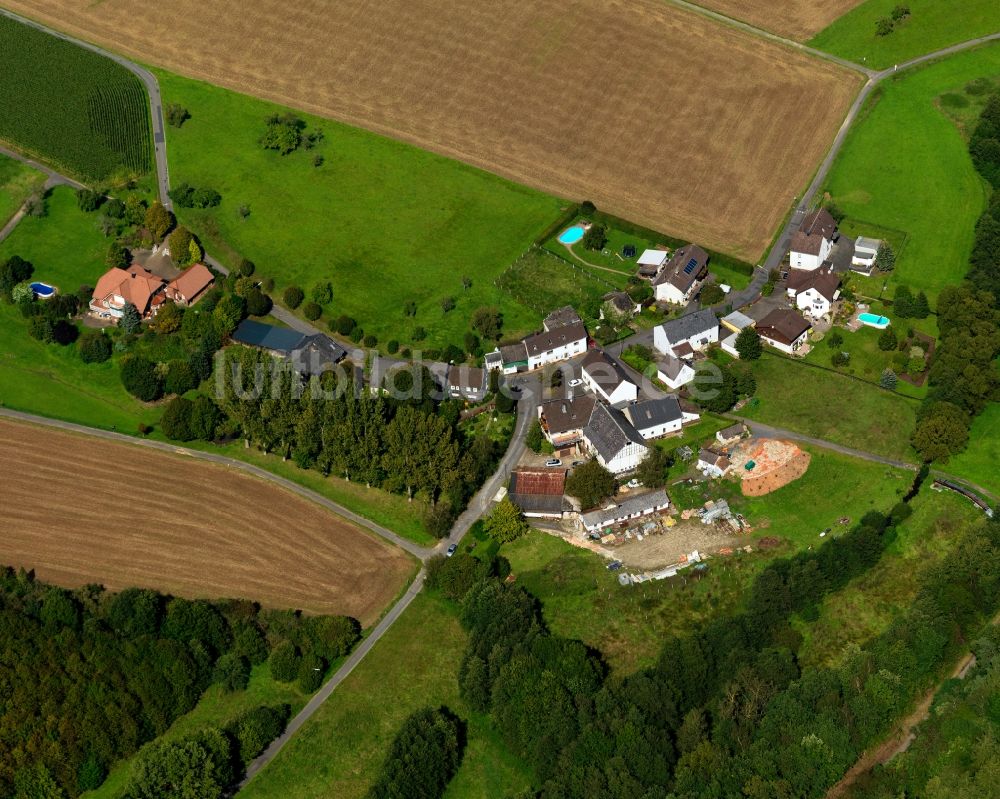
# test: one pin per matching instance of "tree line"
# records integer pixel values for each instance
(963, 376)
(89, 676)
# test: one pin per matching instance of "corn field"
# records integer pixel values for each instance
(74, 109)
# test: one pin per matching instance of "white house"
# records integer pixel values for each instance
(730, 435)
(712, 463)
(651, 262)
(558, 344)
(784, 330)
(814, 292)
(698, 330)
(679, 278)
(865, 253)
(656, 418)
(606, 378)
(563, 420)
(613, 441)
(813, 241)
(634, 507)
(673, 371)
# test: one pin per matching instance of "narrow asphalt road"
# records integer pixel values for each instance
(152, 90)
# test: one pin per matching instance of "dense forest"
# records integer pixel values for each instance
(87, 677)
(727, 711)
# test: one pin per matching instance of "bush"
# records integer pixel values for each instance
(840, 359)
(95, 347)
(767, 290)
(712, 294)
(356, 335)
(179, 378)
(419, 334)
(370, 340)
(322, 292)
(595, 238)
(177, 114)
(253, 730)
(311, 671)
(293, 297)
(312, 311)
(345, 324)
(284, 662)
(140, 378)
(176, 419)
(87, 200)
(392, 347)
(232, 672)
(448, 304)
(258, 303)
(835, 339)
(587, 208)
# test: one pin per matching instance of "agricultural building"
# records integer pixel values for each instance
(634, 507)
(538, 492)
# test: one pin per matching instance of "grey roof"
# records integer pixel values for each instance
(671, 366)
(604, 370)
(609, 432)
(268, 337)
(731, 432)
(864, 242)
(738, 320)
(562, 317)
(640, 503)
(689, 326)
(317, 352)
(654, 412)
(557, 337)
(514, 353)
(538, 503)
(714, 458)
(563, 415)
(620, 301)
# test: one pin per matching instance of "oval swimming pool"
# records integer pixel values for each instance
(873, 320)
(43, 290)
(571, 235)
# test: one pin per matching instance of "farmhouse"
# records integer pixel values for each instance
(712, 463)
(467, 382)
(814, 292)
(613, 440)
(651, 262)
(561, 317)
(606, 378)
(556, 344)
(634, 507)
(563, 420)
(784, 330)
(696, 330)
(119, 287)
(865, 254)
(812, 242)
(658, 417)
(310, 355)
(677, 280)
(730, 435)
(673, 371)
(538, 492)
(190, 285)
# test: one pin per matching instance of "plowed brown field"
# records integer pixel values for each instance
(81, 510)
(795, 19)
(655, 113)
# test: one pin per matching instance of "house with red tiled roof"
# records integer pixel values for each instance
(118, 287)
(190, 285)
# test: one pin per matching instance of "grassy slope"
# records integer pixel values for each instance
(923, 184)
(216, 708)
(868, 604)
(17, 181)
(932, 25)
(826, 405)
(383, 221)
(981, 460)
(340, 749)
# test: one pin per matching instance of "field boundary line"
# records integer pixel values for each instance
(224, 460)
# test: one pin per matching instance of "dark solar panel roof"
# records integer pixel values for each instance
(691, 266)
(278, 339)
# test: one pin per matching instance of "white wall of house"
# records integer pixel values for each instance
(788, 349)
(625, 391)
(699, 341)
(813, 303)
(667, 292)
(804, 260)
(685, 376)
(728, 345)
(661, 429)
(625, 460)
(590, 528)
(562, 353)
(709, 469)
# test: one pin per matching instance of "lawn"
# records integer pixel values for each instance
(834, 407)
(867, 605)
(340, 749)
(921, 185)
(17, 181)
(932, 25)
(216, 708)
(542, 281)
(980, 462)
(693, 435)
(384, 222)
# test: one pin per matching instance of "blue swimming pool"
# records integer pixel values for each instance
(874, 320)
(571, 235)
(43, 290)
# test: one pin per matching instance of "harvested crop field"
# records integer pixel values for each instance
(80, 510)
(795, 19)
(655, 113)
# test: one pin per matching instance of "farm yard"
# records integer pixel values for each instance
(81, 510)
(922, 185)
(70, 107)
(17, 181)
(794, 19)
(931, 25)
(525, 107)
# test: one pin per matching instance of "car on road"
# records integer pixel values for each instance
(576, 381)
(452, 549)
(553, 462)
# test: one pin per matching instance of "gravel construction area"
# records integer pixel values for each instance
(669, 547)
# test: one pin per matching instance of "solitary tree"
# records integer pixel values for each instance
(888, 379)
(293, 297)
(180, 245)
(595, 238)
(505, 523)
(130, 320)
(942, 431)
(117, 257)
(488, 322)
(590, 483)
(748, 344)
(885, 258)
(158, 220)
(887, 340)
(177, 114)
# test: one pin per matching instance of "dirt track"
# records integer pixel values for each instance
(796, 19)
(655, 113)
(79, 510)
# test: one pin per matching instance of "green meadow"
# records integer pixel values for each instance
(980, 462)
(17, 181)
(384, 222)
(932, 25)
(905, 167)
